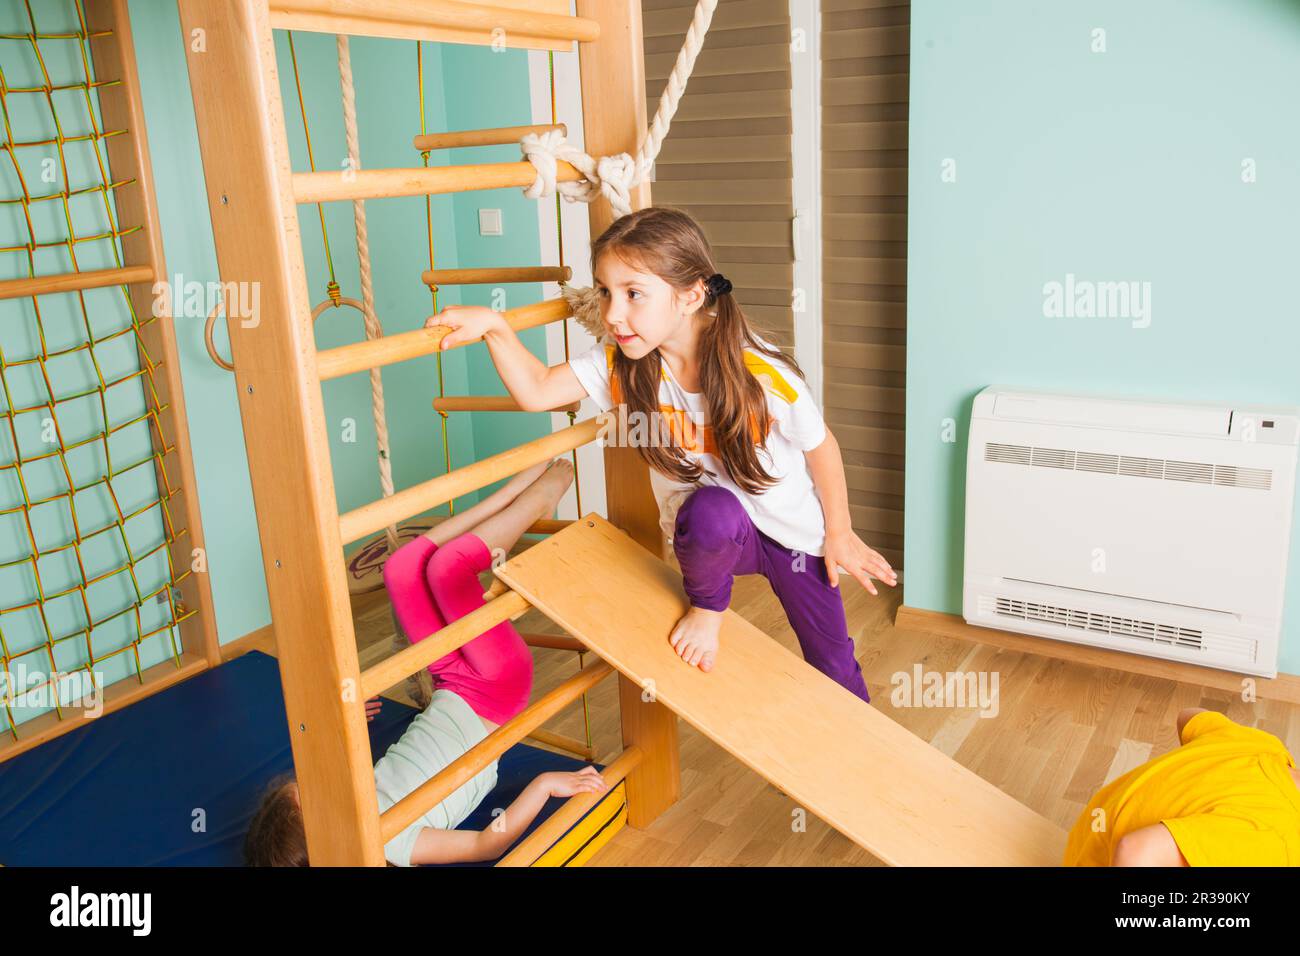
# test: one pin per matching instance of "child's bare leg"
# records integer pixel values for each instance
(465, 520)
(538, 500)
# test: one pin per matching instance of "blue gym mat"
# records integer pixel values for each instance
(174, 779)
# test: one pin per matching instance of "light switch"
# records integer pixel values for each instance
(489, 222)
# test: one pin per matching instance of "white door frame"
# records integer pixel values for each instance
(577, 255)
(806, 156)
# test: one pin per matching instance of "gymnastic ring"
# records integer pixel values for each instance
(207, 338)
(315, 314)
(330, 303)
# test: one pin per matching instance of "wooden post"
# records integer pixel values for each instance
(231, 56)
(614, 119)
(136, 204)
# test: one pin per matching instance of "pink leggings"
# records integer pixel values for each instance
(431, 586)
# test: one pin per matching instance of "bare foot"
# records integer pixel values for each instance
(463, 521)
(546, 491)
(695, 637)
(501, 531)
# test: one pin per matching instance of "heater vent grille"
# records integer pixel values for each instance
(1097, 623)
(1225, 647)
(1197, 472)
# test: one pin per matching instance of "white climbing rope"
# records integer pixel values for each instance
(373, 329)
(614, 177)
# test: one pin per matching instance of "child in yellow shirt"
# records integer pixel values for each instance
(1229, 796)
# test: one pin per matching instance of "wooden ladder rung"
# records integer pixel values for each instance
(495, 589)
(374, 353)
(555, 642)
(489, 403)
(74, 281)
(570, 745)
(548, 525)
(378, 514)
(413, 659)
(445, 20)
(441, 277)
(501, 136)
(529, 850)
(431, 793)
(419, 181)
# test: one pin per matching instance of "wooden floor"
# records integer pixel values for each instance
(1061, 731)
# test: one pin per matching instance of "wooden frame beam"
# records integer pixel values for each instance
(142, 252)
(614, 120)
(235, 84)
(529, 24)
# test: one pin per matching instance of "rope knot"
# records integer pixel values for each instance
(614, 176)
(611, 176)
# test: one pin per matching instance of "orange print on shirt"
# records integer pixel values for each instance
(687, 433)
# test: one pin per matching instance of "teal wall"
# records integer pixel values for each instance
(385, 78)
(1122, 165)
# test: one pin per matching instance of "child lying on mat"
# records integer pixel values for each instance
(1229, 796)
(433, 580)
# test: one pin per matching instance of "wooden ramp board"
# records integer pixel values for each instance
(905, 802)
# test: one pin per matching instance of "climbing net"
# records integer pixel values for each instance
(88, 590)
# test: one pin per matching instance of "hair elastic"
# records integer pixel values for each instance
(717, 284)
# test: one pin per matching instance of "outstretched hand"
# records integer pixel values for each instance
(845, 549)
(563, 784)
(467, 323)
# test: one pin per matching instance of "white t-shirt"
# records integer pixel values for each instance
(444, 731)
(789, 511)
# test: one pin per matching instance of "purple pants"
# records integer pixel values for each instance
(715, 539)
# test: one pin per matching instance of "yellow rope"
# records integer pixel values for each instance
(433, 288)
(333, 286)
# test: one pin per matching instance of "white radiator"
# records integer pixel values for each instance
(1151, 527)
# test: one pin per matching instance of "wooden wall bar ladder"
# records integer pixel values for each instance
(253, 195)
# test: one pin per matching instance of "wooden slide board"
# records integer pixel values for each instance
(905, 802)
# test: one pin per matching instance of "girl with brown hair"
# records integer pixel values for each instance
(747, 476)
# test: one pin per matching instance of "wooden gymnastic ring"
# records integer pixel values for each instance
(343, 300)
(315, 314)
(207, 338)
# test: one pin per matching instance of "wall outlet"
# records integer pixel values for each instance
(489, 222)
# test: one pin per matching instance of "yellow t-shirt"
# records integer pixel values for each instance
(1226, 795)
